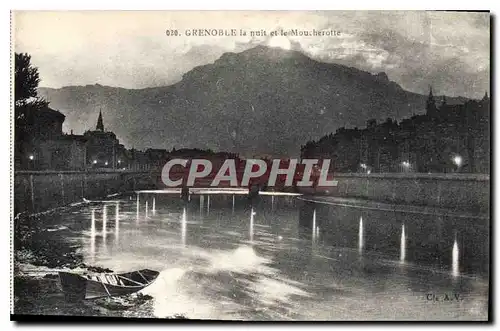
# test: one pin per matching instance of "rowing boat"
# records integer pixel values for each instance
(79, 287)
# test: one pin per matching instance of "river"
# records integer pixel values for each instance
(281, 258)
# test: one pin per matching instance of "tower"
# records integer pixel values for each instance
(430, 106)
(486, 97)
(100, 125)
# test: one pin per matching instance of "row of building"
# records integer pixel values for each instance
(44, 146)
(447, 138)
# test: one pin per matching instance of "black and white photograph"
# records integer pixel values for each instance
(251, 165)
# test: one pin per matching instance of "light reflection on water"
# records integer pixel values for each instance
(455, 256)
(117, 223)
(184, 226)
(242, 261)
(402, 255)
(92, 237)
(360, 236)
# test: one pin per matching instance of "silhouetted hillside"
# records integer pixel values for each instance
(260, 101)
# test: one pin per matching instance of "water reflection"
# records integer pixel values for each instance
(183, 226)
(92, 236)
(104, 221)
(117, 222)
(137, 217)
(252, 213)
(402, 255)
(104, 226)
(146, 208)
(455, 267)
(154, 205)
(202, 200)
(238, 264)
(314, 226)
(361, 239)
(208, 204)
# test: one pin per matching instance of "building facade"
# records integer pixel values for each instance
(447, 138)
(45, 147)
(103, 148)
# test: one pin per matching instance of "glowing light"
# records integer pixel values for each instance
(314, 225)
(117, 222)
(360, 235)
(455, 268)
(252, 213)
(281, 42)
(92, 237)
(104, 221)
(106, 163)
(402, 256)
(137, 216)
(406, 164)
(457, 159)
(184, 227)
(31, 157)
(94, 162)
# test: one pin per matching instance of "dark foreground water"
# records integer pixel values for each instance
(285, 259)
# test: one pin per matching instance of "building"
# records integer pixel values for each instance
(447, 138)
(45, 147)
(103, 148)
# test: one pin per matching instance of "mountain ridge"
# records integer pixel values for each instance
(260, 101)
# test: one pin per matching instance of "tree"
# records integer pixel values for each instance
(26, 102)
(26, 79)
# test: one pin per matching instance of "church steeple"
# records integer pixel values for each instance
(486, 98)
(100, 125)
(431, 103)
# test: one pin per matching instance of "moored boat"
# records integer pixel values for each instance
(80, 287)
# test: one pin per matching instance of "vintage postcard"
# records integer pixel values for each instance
(251, 165)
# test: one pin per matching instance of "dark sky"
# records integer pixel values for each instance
(447, 50)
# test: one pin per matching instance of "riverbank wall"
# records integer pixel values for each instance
(457, 191)
(38, 191)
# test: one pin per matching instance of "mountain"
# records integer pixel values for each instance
(260, 101)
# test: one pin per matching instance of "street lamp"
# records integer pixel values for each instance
(457, 159)
(406, 165)
(94, 162)
(31, 157)
(106, 163)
